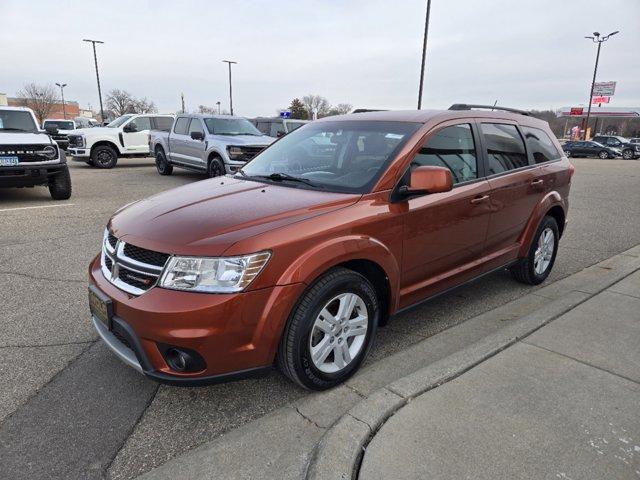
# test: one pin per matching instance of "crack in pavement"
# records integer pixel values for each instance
(308, 419)
(48, 344)
(46, 279)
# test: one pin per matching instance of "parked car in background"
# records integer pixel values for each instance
(590, 149)
(634, 140)
(64, 127)
(212, 144)
(29, 156)
(297, 258)
(126, 136)
(84, 122)
(628, 150)
(276, 126)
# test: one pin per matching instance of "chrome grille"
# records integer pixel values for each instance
(131, 273)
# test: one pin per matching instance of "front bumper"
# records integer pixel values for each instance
(25, 175)
(79, 154)
(237, 335)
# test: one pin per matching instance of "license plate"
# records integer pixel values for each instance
(100, 306)
(8, 161)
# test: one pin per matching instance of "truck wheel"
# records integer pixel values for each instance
(536, 266)
(90, 163)
(330, 330)
(104, 156)
(215, 167)
(60, 185)
(162, 164)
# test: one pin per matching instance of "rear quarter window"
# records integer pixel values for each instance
(505, 148)
(540, 145)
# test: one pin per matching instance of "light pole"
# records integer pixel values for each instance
(229, 62)
(64, 110)
(596, 38)
(424, 53)
(218, 104)
(95, 60)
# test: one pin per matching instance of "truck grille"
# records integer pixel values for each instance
(29, 153)
(249, 151)
(130, 268)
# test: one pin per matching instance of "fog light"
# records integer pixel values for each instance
(182, 359)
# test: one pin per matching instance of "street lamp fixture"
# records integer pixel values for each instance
(229, 62)
(64, 110)
(596, 38)
(95, 60)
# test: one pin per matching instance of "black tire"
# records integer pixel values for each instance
(568, 154)
(603, 154)
(104, 156)
(90, 163)
(524, 271)
(294, 353)
(162, 164)
(627, 154)
(60, 185)
(215, 168)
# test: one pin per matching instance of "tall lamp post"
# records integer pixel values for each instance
(424, 53)
(596, 38)
(64, 110)
(218, 104)
(229, 62)
(95, 60)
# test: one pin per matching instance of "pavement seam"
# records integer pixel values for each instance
(355, 390)
(308, 419)
(588, 364)
(48, 345)
(624, 294)
(46, 279)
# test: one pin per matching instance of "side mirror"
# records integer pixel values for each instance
(197, 135)
(426, 180)
(51, 129)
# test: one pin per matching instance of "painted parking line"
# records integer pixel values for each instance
(40, 206)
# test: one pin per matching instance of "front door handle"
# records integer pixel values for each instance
(537, 183)
(481, 199)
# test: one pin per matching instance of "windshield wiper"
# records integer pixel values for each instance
(281, 177)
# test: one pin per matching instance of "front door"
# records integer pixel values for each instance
(194, 149)
(137, 141)
(444, 233)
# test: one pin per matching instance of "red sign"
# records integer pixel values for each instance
(600, 99)
(576, 111)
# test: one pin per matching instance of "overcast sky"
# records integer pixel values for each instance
(527, 54)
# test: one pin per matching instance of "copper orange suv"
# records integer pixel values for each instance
(297, 258)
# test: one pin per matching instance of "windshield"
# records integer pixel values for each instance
(119, 121)
(231, 126)
(17, 121)
(59, 124)
(340, 156)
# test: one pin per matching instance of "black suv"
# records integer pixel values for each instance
(629, 150)
(28, 155)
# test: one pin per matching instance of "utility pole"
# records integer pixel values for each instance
(424, 53)
(182, 98)
(218, 104)
(596, 38)
(95, 60)
(64, 110)
(229, 62)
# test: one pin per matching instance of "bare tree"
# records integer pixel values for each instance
(121, 102)
(340, 109)
(316, 105)
(142, 105)
(207, 110)
(39, 98)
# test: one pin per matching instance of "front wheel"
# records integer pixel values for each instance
(627, 154)
(330, 330)
(60, 185)
(215, 167)
(104, 156)
(536, 266)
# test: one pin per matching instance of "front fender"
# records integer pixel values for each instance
(91, 141)
(321, 257)
(549, 201)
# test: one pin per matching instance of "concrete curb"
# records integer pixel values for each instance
(340, 451)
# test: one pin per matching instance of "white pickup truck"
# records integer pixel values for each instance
(126, 136)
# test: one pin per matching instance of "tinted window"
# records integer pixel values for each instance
(143, 123)
(16, 120)
(163, 123)
(541, 146)
(505, 148)
(59, 124)
(195, 126)
(453, 148)
(182, 125)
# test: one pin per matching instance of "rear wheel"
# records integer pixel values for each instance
(104, 156)
(537, 265)
(603, 154)
(60, 185)
(215, 168)
(162, 164)
(330, 330)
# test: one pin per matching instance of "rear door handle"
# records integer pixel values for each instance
(537, 182)
(481, 199)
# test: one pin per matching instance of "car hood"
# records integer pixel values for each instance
(94, 131)
(17, 138)
(207, 217)
(242, 139)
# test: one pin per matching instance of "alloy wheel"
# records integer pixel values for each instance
(544, 253)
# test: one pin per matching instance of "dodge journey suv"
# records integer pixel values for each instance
(297, 258)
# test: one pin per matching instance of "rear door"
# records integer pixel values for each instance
(516, 188)
(177, 140)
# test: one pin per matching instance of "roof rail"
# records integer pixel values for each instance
(469, 106)
(365, 110)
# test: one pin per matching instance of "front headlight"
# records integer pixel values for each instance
(234, 152)
(213, 275)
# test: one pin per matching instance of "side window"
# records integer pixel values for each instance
(195, 126)
(505, 148)
(452, 147)
(143, 123)
(276, 128)
(541, 146)
(163, 123)
(182, 125)
(263, 127)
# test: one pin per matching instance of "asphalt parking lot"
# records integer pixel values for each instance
(69, 409)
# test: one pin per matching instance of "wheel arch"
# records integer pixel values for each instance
(552, 204)
(108, 143)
